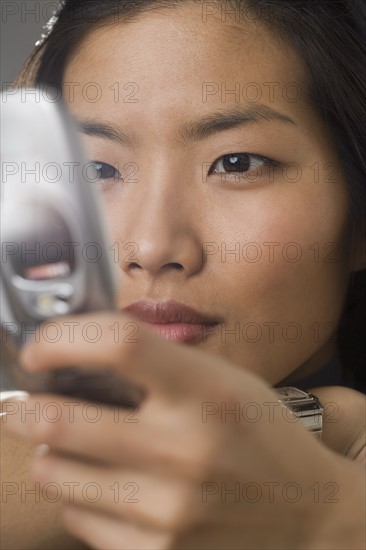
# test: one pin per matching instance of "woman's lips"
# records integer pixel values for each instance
(184, 333)
(174, 321)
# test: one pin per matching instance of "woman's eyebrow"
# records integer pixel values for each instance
(104, 130)
(227, 119)
(193, 130)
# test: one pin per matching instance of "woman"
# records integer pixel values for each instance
(240, 233)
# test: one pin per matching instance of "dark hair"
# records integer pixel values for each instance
(328, 35)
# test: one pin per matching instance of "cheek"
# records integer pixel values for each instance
(292, 271)
(294, 241)
(288, 274)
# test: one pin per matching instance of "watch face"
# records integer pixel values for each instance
(289, 392)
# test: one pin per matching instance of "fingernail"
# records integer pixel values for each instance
(11, 417)
(9, 401)
(41, 450)
(27, 356)
(11, 395)
(38, 470)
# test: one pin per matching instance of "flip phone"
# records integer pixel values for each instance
(55, 257)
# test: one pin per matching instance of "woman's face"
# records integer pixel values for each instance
(193, 106)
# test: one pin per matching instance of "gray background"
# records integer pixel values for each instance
(21, 27)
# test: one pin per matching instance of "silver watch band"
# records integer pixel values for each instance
(306, 406)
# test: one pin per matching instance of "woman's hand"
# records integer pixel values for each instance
(210, 459)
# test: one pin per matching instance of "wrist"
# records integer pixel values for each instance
(344, 419)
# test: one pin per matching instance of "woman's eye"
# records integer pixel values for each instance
(106, 171)
(240, 163)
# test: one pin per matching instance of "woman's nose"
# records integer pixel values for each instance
(164, 236)
(162, 252)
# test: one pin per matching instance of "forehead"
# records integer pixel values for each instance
(179, 59)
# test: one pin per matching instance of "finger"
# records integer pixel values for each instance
(106, 435)
(146, 359)
(89, 341)
(66, 340)
(163, 502)
(101, 532)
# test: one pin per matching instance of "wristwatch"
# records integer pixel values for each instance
(306, 406)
